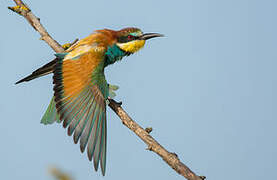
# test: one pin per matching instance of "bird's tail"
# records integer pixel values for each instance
(51, 115)
(44, 70)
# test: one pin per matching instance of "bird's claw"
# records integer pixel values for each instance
(20, 9)
(68, 45)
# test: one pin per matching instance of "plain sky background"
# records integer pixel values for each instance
(208, 89)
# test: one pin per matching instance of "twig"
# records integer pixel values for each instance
(23, 10)
(58, 174)
(170, 158)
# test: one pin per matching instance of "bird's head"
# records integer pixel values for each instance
(132, 40)
(123, 42)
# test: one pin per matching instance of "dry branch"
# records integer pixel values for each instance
(170, 158)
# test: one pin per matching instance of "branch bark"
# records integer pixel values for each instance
(170, 158)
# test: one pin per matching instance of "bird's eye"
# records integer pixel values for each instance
(130, 37)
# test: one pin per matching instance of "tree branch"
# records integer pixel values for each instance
(24, 11)
(170, 158)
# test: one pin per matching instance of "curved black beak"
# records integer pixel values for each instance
(150, 35)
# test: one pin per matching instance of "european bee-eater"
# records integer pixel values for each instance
(80, 87)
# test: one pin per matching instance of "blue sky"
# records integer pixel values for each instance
(208, 89)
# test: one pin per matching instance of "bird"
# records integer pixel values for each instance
(81, 91)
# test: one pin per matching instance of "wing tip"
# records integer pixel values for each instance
(82, 149)
(103, 170)
(20, 81)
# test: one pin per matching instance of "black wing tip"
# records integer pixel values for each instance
(44, 70)
(82, 149)
(20, 81)
(95, 166)
(103, 171)
(75, 138)
(28, 78)
(89, 156)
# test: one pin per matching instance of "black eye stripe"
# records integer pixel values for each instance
(128, 38)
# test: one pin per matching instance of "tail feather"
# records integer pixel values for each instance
(51, 115)
(44, 70)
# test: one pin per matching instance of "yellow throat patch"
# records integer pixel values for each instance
(132, 46)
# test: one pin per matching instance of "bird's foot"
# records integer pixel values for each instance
(20, 9)
(68, 45)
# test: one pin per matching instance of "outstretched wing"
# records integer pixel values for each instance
(80, 93)
(42, 71)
